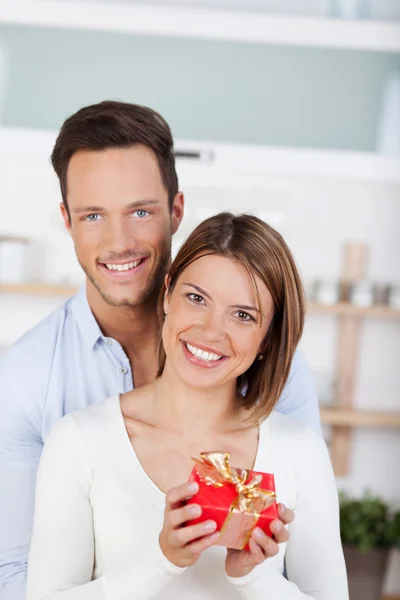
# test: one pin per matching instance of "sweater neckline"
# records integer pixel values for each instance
(129, 449)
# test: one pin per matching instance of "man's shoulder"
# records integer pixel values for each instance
(38, 342)
(25, 369)
(299, 397)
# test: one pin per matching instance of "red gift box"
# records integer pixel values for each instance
(236, 499)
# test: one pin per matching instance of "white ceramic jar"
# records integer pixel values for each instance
(13, 259)
(362, 293)
(394, 296)
(327, 291)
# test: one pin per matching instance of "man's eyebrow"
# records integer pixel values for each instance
(136, 204)
(83, 209)
(144, 202)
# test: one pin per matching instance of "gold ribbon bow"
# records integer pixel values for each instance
(215, 470)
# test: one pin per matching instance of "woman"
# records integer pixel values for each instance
(111, 521)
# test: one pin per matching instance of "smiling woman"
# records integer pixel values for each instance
(112, 520)
(238, 260)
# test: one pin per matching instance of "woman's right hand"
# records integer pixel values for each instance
(183, 544)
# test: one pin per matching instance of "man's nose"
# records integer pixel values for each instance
(120, 236)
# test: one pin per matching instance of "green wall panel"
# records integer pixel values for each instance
(206, 89)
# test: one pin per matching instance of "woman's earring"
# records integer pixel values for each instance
(260, 356)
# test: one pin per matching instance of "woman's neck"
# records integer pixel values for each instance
(184, 408)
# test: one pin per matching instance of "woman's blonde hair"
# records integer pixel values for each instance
(263, 252)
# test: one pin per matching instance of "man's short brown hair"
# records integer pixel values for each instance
(112, 124)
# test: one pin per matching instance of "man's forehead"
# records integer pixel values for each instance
(133, 172)
(126, 159)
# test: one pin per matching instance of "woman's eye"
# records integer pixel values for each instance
(141, 213)
(244, 316)
(196, 298)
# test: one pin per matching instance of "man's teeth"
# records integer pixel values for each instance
(125, 267)
(201, 354)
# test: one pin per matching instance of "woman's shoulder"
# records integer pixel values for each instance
(80, 440)
(92, 420)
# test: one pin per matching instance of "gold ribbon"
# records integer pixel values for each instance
(215, 470)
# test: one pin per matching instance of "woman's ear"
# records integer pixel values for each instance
(166, 295)
(166, 303)
(262, 350)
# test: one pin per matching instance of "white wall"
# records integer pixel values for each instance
(316, 215)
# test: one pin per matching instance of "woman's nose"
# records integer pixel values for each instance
(212, 326)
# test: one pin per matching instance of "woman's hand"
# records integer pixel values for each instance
(182, 544)
(239, 563)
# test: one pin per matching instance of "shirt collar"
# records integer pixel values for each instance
(88, 325)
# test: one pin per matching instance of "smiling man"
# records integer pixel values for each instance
(121, 204)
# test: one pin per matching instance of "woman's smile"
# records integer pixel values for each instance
(202, 356)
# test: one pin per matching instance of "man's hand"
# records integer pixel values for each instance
(241, 562)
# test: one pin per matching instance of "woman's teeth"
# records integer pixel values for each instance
(124, 267)
(202, 355)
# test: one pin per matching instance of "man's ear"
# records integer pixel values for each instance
(65, 216)
(177, 212)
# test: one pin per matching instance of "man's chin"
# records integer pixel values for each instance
(124, 296)
(119, 298)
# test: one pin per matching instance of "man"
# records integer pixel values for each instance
(121, 205)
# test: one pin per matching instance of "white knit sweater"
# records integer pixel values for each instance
(98, 517)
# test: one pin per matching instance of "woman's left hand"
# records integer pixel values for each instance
(239, 563)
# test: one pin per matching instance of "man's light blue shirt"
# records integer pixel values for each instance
(63, 364)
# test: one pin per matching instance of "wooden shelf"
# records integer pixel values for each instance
(204, 23)
(44, 289)
(348, 310)
(354, 418)
(38, 289)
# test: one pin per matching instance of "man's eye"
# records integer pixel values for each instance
(141, 213)
(92, 217)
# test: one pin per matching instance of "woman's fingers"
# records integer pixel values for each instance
(268, 546)
(176, 518)
(198, 546)
(280, 532)
(181, 543)
(176, 496)
(285, 514)
(240, 562)
(186, 535)
(256, 555)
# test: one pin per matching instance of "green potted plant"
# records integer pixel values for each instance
(369, 529)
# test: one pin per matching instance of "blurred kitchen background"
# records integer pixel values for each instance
(289, 109)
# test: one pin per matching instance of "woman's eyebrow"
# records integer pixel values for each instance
(244, 307)
(199, 289)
